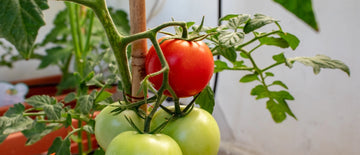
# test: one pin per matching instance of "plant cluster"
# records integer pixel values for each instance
(236, 41)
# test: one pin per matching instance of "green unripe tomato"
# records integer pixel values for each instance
(196, 133)
(133, 143)
(108, 125)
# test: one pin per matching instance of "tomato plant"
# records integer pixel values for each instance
(196, 133)
(134, 143)
(108, 125)
(191, 66)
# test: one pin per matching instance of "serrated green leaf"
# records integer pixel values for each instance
(14, 121)
(189, 24)
(291, 39)
(279, 58)
(238, 64)
(259, 91)
(49, 104)
(272, 41)
(102, 96)
(321, 61)
(220, 66)
(68, 120)
(20, 23)
(279, 83)
(37, 132)
(96, 80)
(88, 129)
(269, 74)
(228, 17)
(258, 21)
(70, 97)
(228, 53)
(276, 111)
(60, 147)
(302, 9)
(235, 22)
(206, 99)
(85, 103)
(249, 78)
(281, 97)
(231, 39)
(55, 56)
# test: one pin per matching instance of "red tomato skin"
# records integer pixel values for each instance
(191, 66)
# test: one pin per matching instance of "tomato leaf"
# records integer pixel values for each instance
(302, 9)
(14, 121)
(85, 103)
(228, 53)
(249, 78)
(231, 39)
(20, 23)
(259, 91)
(279, 42)
(235, 22)
(258, 21)
(37, 132)
(291, 39)
(102, 96)
(320, 61)
(276, 111)
(88, 129)
(49, 104)
(70, 97)
(55, 56)
(281, 97)
(228, 17)
(206, 99)
(220, 66)
(279, 58)
(279, 83)
(60, 147)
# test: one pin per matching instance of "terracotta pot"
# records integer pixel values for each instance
(15, 143)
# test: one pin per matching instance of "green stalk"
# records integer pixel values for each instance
(89, 32)
(78, 57)
(80, 144)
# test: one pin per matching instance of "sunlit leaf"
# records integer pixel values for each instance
(321, 61)
(206, 99)
(279, 42)
(60, 147)
(37, 132)
(49, 104)
(291, 39)
(302, 9)
(231, 39)
(249, 78)
(20, 22)
(258, 21)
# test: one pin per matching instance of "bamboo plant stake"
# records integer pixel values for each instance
(139, 47)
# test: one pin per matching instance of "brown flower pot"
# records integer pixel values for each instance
(15, 143)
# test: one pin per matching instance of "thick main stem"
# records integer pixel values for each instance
(139, 47)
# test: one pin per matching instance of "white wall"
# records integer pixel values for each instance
(326, 105)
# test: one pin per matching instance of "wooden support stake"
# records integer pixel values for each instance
(139, 47)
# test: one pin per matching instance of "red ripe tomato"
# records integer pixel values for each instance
(191, 66)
